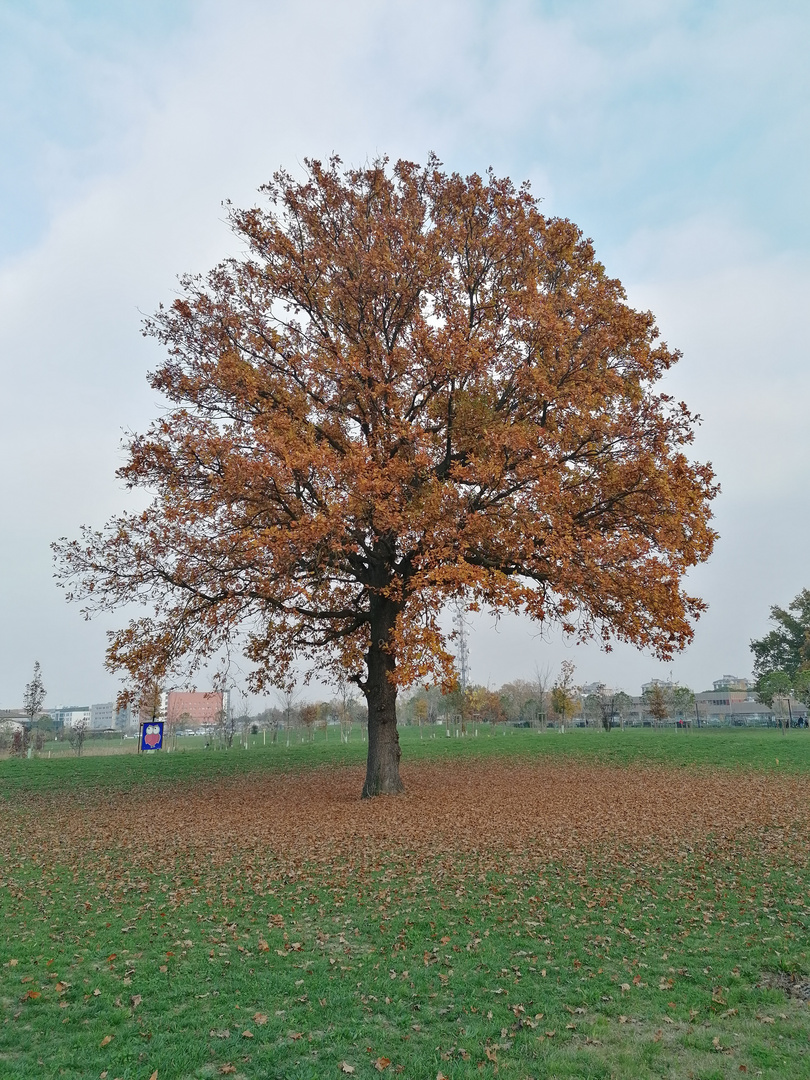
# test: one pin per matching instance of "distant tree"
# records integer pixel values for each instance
(564, 694)
(45, 724)
(656, 702)
(600, 707)
(308, 715)
(270, 720)
(484, 706)
(348, 705)
(622, 703)
(787, 647)
(287, 695)
(420, 712)
(458, 707)
(411, 387)
(782, 657)
(520, 701)
(591, 709)
(801, 685)
(542, 681)
(680, 702)
(20, 741)
(239, 703)
(34, 696)
(174, 724)
(773, 689)
(225, 727)
(76, 734)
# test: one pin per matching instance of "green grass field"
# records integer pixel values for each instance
(536, 905)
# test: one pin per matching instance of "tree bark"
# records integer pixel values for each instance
(382, 763)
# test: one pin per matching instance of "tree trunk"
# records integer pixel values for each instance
(382, 764)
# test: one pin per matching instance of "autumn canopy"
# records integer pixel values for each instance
(411, 387)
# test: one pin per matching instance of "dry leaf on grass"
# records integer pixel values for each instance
(345, 1067)
(301, 816)
(107, 1040)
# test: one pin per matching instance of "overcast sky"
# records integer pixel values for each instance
(674, 132)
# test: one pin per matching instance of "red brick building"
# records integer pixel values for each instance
(192, 709)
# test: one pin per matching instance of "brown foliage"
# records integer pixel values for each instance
(414, 387)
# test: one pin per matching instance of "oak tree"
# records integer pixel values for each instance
(411, 387)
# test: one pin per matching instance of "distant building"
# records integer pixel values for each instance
(106, 716)
(665, 684)
(194, 709)
(70, 715)
(12, 720)
(720, 708)
(739, 709)
(722, 697)
(732, 682)
(597, 688)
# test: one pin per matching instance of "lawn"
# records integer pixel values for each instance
(580, 905)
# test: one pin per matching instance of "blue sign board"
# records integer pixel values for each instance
(152, 735)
